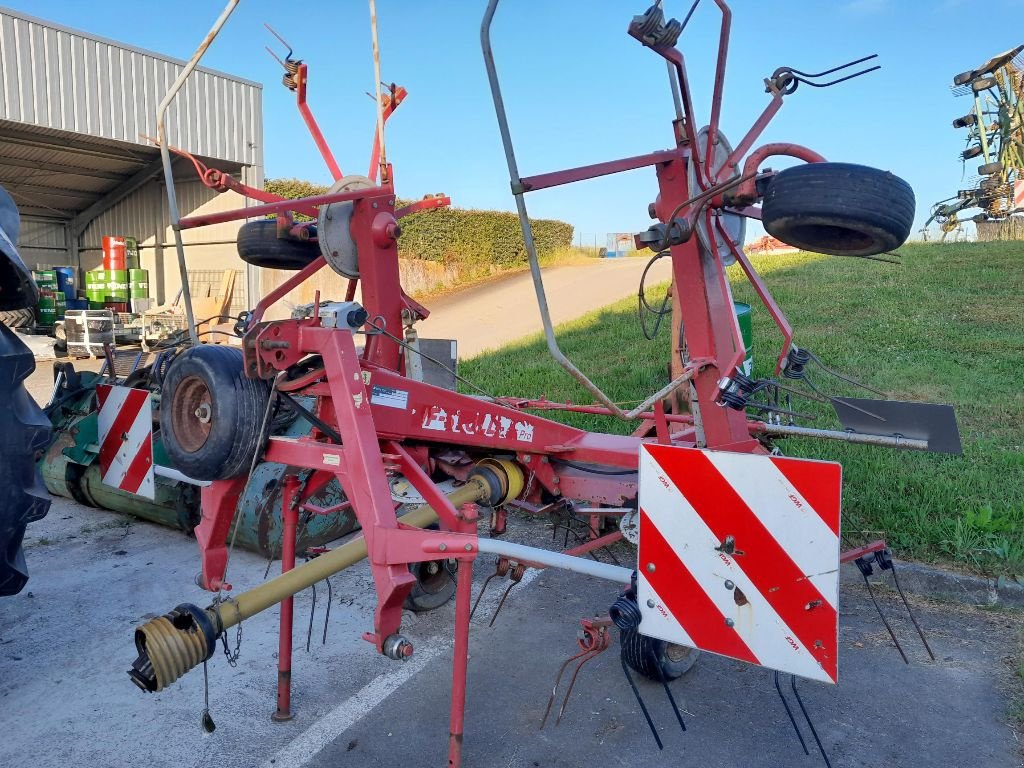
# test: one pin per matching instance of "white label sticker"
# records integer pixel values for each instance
(390, 397)
(331, 459)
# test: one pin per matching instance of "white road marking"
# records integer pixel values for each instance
(331, 726)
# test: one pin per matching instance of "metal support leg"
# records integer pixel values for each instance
(460, 659)
(290, 514)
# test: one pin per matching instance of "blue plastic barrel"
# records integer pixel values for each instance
(66, 279)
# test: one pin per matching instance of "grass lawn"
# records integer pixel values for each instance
(945, 326)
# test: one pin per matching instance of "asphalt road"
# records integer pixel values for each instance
(66, 642)
(490, 315)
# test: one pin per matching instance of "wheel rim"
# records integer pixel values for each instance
(192, 413)
(432, 576)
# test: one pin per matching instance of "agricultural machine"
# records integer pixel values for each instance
(995, 140)
(737, 547)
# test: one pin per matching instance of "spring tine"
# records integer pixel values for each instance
(789, 712)
(327, 617)
(554, 688)
(283, 41)
(884, 620)
(835, 69)
(668, 692)
(688, 15)
(910, 612)
(501, 603)
(572, 681)
(841, 80)
(807, 717)
(838, 375)
(312, 613)
(480, 596)
(640, 701)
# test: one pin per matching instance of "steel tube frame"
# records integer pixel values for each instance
(165, 157)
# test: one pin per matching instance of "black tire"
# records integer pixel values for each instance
(655, 659)
(26, 433)
(983, 83)
(259, 245)
(839, 209)
(963, 78)
(434, 586)
(211, 414)
(965, 121)
(970, 153)
(18, 318)
(989, 169)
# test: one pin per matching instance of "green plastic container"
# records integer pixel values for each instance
(47, 308)
(117, 285)
(46, 279)
(59, 304)
(131, 253)
(745, 318)
(138, 283)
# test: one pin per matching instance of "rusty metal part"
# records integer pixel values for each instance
(593, 639)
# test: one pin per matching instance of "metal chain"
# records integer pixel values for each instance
(232, 656)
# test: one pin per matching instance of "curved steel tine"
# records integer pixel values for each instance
(789, 712)
(572, 682)
(312, 613)
(483, 589)
(554, 688)
(885, 620)
(501, 602)
(807, 717)
(920, 632)
(835, 69)
(640, 701)
(327, 617)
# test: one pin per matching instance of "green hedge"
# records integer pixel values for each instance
(458, 235)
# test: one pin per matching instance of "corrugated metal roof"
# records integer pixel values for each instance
(64, 80)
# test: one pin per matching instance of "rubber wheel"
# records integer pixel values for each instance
(983, 83)
(26, 433)
(434, 587)
(643, 654)
(965, 121)
(838, 208)
(259, 245)
(988, 169)
(971, 152)
(211, 414)
(963, 78)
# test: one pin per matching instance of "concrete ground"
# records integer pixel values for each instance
(66, 643)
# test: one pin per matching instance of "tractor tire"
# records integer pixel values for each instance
(966, 121)
(26, 433)
(259, 245)
(211, 414)
(990, 169)
(839, 209)
(963, 78)
(18, 318)
(970, 153)
(983, 83)
(655, 659)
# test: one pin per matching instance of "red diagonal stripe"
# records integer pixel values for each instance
(686, 599)
(134, 400)
(138, 469)
(102, 390)
(817, 482)
(782, 583)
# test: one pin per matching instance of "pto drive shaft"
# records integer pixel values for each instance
(172, 644)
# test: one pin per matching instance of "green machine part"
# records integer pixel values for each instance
(70, 468)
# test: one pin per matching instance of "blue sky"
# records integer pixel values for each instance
(578, 89)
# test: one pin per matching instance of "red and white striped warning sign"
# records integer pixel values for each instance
(1018, 194)
(739, 555)
(125, 427)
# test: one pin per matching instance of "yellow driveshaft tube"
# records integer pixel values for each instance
(172, 644)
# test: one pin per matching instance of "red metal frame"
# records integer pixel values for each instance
(378, 438)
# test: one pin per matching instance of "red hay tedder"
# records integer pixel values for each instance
(737, 547)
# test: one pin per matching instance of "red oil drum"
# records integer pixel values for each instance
(115, 253)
